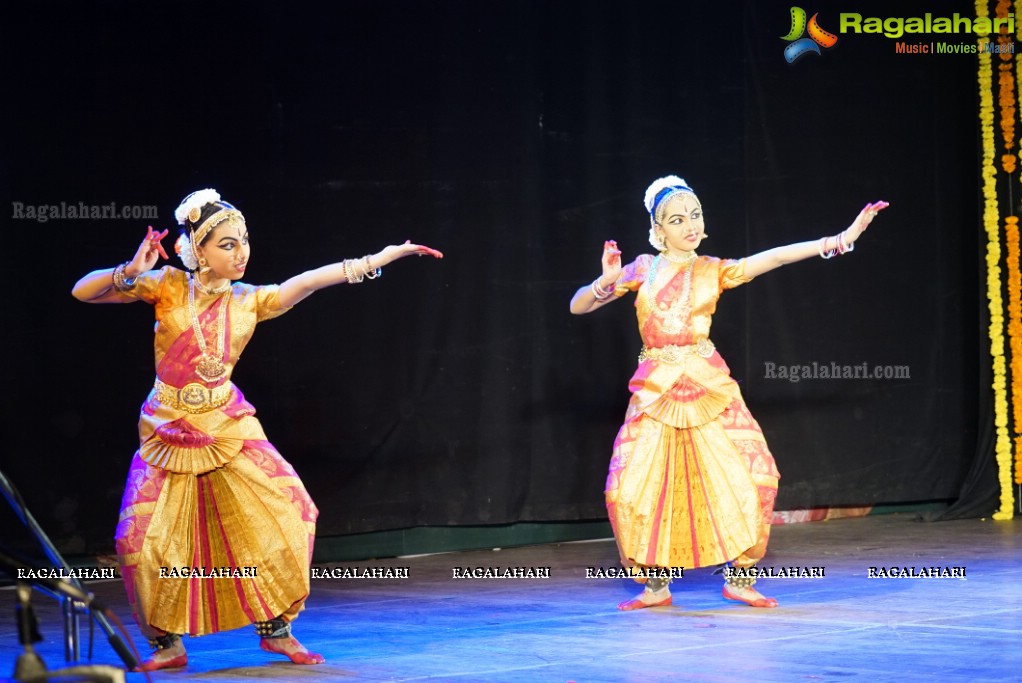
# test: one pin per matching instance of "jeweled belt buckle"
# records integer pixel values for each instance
(671, 354)
(194, 396)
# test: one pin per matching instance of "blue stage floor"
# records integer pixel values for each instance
(843, 626)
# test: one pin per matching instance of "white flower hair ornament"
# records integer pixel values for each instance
(183, 249)
(191, 208)
(658, 186)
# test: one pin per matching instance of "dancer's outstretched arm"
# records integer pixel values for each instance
(765, 261)
(300, 286)
(98, 286)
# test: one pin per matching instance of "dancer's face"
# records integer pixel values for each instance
(682, 223)
(226, 250)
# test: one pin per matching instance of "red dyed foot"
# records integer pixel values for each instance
(156, 662)
(750, 596)
(639, 603)
(292, 649)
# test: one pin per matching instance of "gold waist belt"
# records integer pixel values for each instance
(194, 397)
(672, 353)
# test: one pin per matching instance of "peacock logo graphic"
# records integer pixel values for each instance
(799, 46)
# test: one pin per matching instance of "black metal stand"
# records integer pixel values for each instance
(76, 600)
(29, 667)
(29, 664)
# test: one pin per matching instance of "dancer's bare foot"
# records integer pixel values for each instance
(167, 658)
(750, 596)
(292, 649)
(648, 598)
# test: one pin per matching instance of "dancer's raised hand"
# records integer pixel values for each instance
(148, 253)
(862, 221)
(611, 263)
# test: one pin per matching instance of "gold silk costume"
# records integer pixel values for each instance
(207, 494)
(691, 481)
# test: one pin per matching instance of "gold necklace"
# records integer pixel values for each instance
(687, 257)
(675, 315)
(210, 291)
(210, 367)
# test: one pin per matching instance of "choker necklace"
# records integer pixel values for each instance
(209, 291)
(210, 367)
(686, 258)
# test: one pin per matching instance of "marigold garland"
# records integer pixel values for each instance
(1011, 240)
(1006, 94)
(991, 224)
(1018, 443)
(1015, 301)
(1006, 100)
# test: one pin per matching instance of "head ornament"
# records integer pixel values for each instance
(657, 194)
(198, 215)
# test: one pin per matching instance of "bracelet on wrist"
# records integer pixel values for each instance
(123, 283)
(842, 246)
(348, 266)
(356, 270)
(824, 252)
(599, 293)
(370, 272)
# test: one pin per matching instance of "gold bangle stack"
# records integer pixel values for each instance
(351, 273)
(121, 283)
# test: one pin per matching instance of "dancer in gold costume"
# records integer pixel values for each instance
(691, 482)
(216, 529)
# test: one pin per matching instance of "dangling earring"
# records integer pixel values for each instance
(661, 238)
(705, 235)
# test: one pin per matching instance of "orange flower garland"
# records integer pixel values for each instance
(1011, 239)
(1006, 97)
(1015, 303)
(1006, 100)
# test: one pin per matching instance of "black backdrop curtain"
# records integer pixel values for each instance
(516, 137)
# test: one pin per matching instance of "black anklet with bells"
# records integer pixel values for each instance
(274, 628)
(740, 577)
(657, 583)
(164, 642)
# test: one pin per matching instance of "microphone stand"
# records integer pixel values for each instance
(71, 614)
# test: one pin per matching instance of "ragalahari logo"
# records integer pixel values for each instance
(800, 46)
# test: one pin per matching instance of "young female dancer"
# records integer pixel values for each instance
(216, 529)
(691, 481)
